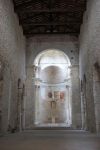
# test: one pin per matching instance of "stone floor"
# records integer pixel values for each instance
(50, 140)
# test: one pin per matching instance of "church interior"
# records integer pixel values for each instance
(49, 74)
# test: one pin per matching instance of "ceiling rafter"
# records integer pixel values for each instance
(50, 16)
(31, 3)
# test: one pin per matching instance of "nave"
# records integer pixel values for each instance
(50, 140)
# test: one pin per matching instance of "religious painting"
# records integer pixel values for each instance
(50, 95)
(56, 94)
(62, 95)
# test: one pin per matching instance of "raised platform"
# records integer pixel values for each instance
(53, 126)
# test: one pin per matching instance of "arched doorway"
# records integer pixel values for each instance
(52, 83)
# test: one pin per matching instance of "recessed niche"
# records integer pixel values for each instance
(71, 51)
(72, 57)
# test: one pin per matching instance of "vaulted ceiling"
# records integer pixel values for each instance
(50, 16)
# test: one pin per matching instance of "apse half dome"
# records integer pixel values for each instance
(53, 66)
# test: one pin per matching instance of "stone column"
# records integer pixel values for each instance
(83, 111)
(6, 98)
(37, 107)
(68, 103)
(29, 98)
(1, 92)
(19, 108)
(96, 92)
(84, 103)
(76, 100)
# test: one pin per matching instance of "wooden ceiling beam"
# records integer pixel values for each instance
(48, 28)
(71, 13)
(25, 4)
(68, 17)
(69, 10)
(50, 16)
(53, 24)
(70, 33)
(47, 21)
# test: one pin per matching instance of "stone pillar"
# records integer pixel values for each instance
(96, 92)
(84, 103)
(20, 106)
(29, 99)
(76, 100)
(68, 106)
(1, 92)
(83, 111)
(37, 107)
(6, 98)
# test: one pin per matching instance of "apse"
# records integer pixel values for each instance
(52, 83)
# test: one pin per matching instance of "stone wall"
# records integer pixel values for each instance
(89, 55)
(76, 100)
(37, 44)
(12, 41)
(12, 56)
